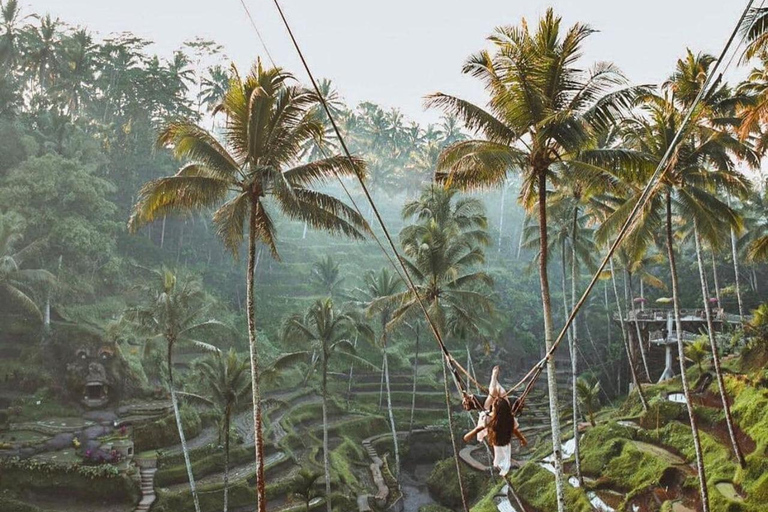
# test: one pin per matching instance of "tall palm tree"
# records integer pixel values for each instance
(228, 386)
(325, 275)
(717, 110)
(172, 313)
(213, 87)
(42, 43)
(589, 397)
(79, 56)
(444, 247)
(699, 173)
(755, 239)
(10, 19)
(380, 285)
(253, 171)
(18, 284)
(328, 331)
(542, 111)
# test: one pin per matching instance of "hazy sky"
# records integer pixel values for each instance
(394, 52)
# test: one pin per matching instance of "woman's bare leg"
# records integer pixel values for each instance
(495, 390)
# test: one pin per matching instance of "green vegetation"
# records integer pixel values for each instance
(313, 341)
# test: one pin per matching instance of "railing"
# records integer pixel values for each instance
(660, 315)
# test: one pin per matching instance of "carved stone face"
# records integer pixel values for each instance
(94, 374)
(91, 368)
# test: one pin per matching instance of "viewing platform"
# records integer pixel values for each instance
(656, 327)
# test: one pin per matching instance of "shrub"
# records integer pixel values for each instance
(443, 483)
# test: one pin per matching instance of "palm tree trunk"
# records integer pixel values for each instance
(381, 386)
(681, 355)
(391, 417)
(261, 496)
(717, 281)
(415, 377)
(162, 233)
(520, 239)
(637, 328)
(349, 381)
(326, 456)
(574, 356)
(546, 299)
(715, 356)
(754, 280)
(735, 257)
(632, 370)
(180, 427)
(501, 214)
(227, 415)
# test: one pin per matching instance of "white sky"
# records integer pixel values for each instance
(393, 52)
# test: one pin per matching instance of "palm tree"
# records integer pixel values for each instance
(699, 173)
(589, 397)
(17, 284)
(444, 248)
(42, 45)
(229, 388)
(379, 285)
(10, 14)
(755, 239)
(328, 331)
(325, 275)
(542, 111)
(304, 487)
(79, 54)
(213, 87)
(717, 110)
(697, 352)
(171, 314)
(416, 328)
(254, 170)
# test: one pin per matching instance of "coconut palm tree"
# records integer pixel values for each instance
(693, 182)
(304, 487)
(172, 313)
(718, 111)
(17, 284)
(589, 397)
(542, 111)
(443, 248)
(755, 238)
(213, 87)
(326, 276)
(42, 46)
(697, 352)
(10, 20)
(379, 285)
(225, 377)
(254, 171)
(328, 331)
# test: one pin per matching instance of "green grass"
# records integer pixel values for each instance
(536, 485)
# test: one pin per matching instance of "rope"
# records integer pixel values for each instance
(449, 360)
(258, 34)
(453, 437)
(661, 169)
(454, 364)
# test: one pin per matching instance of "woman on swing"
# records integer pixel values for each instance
(496, 422)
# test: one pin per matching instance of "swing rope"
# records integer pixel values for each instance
(529, 380)
(629, 223)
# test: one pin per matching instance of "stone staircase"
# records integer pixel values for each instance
(147, 470)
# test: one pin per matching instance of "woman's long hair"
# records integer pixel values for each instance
(501, 423)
